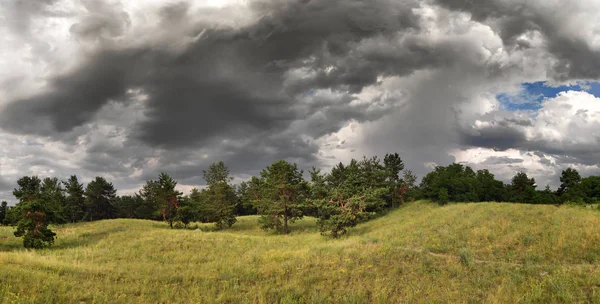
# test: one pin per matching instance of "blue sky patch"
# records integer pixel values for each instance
(533, 93)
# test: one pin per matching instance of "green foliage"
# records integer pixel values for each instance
(523, 189)
(246, 193)
(460, 183)
(186, 214)
(3, 211)
(443, 197)
(489, 189)
(73, 209)
(133, 206)
(393, 165)
(162, 197)
(353, 193)
(29, 188)
(569, 179)
(33, 225)
(220, 195)
(100, 197)
(282, 196)
(52, 195)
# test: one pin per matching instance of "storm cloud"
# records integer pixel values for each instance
(128, 91)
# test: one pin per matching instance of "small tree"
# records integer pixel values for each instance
(393, 165)
(162, 195)
(283, 193)
(33, 226)
(220, 195)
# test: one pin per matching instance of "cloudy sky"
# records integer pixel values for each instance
(127, 89)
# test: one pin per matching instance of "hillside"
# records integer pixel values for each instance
(485, 252)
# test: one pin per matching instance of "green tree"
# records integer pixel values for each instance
(128, 206)
(162, 195)
(100, 196)
(245, 193)
(283, 193)
(523, 188)
(569, 179)
(33, 225)
(489, 189)
(52, 195)
(393, 165)
(352, 193)
(3, 211)
(459, 181)
(220, 195)
(590, 189)
(29, 188)
(409, 186)
(32, 214)
(74, 201)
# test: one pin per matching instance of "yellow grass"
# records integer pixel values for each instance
(486, 252)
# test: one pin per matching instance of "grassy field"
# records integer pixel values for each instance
(460, 253)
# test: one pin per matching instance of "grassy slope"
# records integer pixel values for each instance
(483, 252)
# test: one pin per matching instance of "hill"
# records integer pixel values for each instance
(479, 252)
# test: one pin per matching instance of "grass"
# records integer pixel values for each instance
(459, 253)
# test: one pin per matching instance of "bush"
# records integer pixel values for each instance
(443, 196)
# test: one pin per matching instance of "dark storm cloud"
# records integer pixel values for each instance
(228, 82)
(498, 136)
(575, 57)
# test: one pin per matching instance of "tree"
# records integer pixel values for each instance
(32, 213)
(393, 165)
(283, 193)
(569, 179)
(351, 193)
(29, 188)
(74, 201)
(128, 206)
(162, 195)
(52, 195)
(523, 188)
(100, 196)
(246, 193)
(488, 188)
(220, 195)
(33, 226)
(459, 182)
(409, 184)
(590, 189)
(3, 211)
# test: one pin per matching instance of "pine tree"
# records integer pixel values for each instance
(74, 201)
(283, 194)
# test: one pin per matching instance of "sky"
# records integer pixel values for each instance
(128, 89)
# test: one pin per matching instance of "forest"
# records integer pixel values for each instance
(342, 198)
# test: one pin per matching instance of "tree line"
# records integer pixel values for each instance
(341, 198)
(459, 183)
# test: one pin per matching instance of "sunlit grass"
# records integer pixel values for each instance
(497, 253)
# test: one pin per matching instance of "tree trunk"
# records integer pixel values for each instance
(285, 223)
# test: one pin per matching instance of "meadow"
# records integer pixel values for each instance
(421, 252)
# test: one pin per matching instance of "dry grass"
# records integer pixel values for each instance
(495, 253)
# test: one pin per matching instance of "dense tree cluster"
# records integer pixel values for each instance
(458, 183)
(340, 199)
